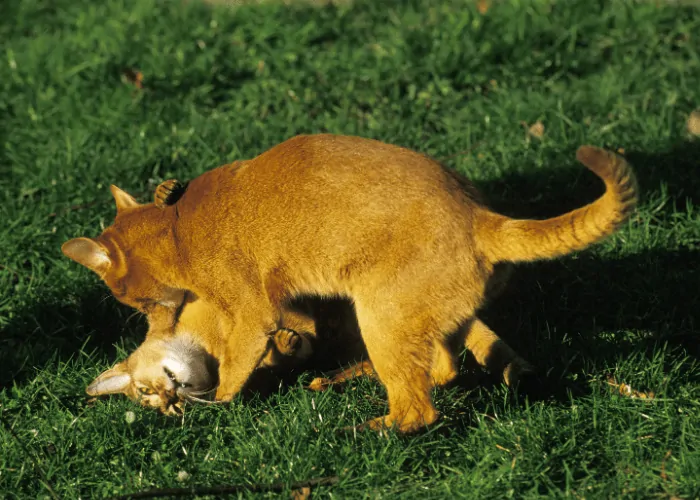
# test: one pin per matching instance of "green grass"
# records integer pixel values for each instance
(433, 75)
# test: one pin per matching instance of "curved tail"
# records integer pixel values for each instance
(513, 240)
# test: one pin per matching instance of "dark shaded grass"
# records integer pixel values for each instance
(438, 77)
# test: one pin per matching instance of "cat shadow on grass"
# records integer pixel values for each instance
(586, 309)
(51, 331)
(562, 316)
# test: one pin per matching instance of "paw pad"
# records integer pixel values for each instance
(168, 192)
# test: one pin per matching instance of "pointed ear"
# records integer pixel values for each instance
(123, 199)
(87, 252)
(116, 380)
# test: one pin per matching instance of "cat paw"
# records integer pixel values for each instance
(223, 396)
(173, 410)
(515, 371)
(320, 384)
(287, 341)
(168, 192)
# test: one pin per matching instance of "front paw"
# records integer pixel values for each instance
(224, 396)
(168, 192)
(320, 384)
(173, 410)
(287, 341)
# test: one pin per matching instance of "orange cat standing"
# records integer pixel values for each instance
(403, 237)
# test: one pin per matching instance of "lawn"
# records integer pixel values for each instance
(132, 92)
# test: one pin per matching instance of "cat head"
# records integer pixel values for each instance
(130, 254)
(162, 374)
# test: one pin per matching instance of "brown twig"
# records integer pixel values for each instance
(228, 490)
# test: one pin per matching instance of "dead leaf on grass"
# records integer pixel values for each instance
(535, 130)
(483, 6)
(693, 123)
(134, 77)
(301, 493)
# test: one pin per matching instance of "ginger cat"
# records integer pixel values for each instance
(403, 237)
(164, 372)
(489, 351)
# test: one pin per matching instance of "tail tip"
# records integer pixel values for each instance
(599, 160)
(591, 155)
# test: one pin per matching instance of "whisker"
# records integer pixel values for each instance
(195, 399)
(135, 313)
(203, 393)
(192, 396)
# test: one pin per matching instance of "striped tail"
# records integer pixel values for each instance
(519, 240)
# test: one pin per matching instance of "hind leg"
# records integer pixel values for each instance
(488, 349)
(401, 352)
(493, 353)
(443, 370)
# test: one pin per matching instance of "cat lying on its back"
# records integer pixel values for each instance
(167, 370)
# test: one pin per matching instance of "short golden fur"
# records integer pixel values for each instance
(390, 228)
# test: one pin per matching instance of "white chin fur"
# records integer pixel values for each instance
(177, 367)
(188, 361)
(170, 304)
(180, 355)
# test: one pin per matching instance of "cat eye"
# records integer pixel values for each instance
(146, 391)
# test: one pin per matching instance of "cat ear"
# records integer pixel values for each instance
(116, 380)
(87, 252)
(122, 198)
